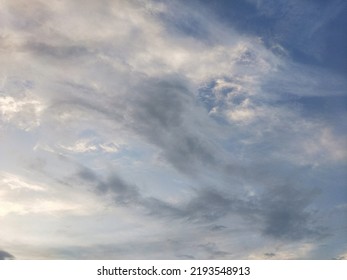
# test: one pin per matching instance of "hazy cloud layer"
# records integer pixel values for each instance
(184, 130)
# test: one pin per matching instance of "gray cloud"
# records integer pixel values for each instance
(161, 103)
(213, 251)
(186, 257)
(56, 51)
(270, 255)
(122, 192)
(5, 255)
(210, 205)
(162, 112)
(217, 228)
(205, 205)
(286, 213)
(282, 212)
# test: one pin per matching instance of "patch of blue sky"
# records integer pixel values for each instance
(324, 106)
(312, 32)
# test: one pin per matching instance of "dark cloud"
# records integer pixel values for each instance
(204, 206)
(209, 205)
(282, 212)
(217, 228)
(269, 255)
(160, 208)
(163, 114)
(160, 110)
(5, 255)
(213, 251)
(88, 175)
(160, 104)
(57, 51)
(286, 213)
(187, 150)
(122, 192)
(125, 194)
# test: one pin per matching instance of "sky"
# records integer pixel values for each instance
(173, 129)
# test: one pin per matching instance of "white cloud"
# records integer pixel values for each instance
(24, 196)
(88, 145)
(14, 182)
(23, 111)
(81, 146)
(110, 147)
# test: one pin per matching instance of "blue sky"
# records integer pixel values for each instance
(173, 129)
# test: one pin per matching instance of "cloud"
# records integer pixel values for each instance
(56, 52)
(269, 255)
(217, 227)
(213, 251)
(172, 122)
(24, 112)
(165, 107)
(286, 214)
(5, 255)
(281, 212)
